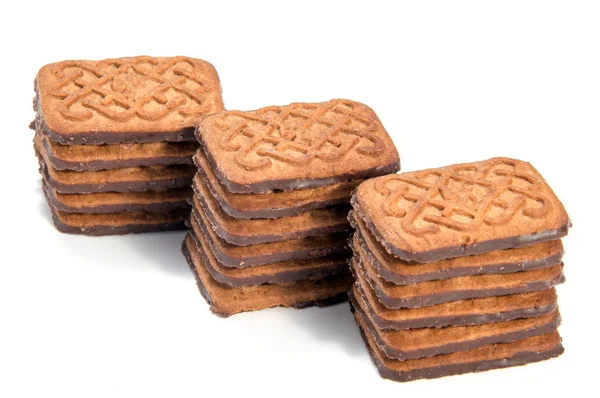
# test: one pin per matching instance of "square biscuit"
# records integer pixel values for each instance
(136, 99)
(459, 210)
(297, 146)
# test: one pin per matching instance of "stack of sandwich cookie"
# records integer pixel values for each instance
(269, 212)
(115, 140)
(455, 268)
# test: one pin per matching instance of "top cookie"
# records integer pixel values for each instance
(301, 145)
(459, 210)
(138, 99)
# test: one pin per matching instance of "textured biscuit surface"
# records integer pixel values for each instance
(296, 146)
(272, 204)
(400, 272)
(80, 99)
(462, 209)
(227, 300)
(493, 356)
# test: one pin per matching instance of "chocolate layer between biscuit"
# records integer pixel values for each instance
(245, 232)
(184, 134)
(273, 204)
(116, 202)
(247, 256)
(494, 356)
(459, 288)
(132, 179)
(226, 300)
(401, 272)
(426, 342)
(116, 156)
(454, 313)
(282, 272)
(118, 223)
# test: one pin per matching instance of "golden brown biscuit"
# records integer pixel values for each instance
(297, 146)
(266, 253)
(118, 223)
(116, 202)
(459, 210)
(457, 313)
(133, 179)
(460, 288)
(117, 156)
(280, 272)
(400, 272)
(245, 232)
(272, 204)
(227, 300)
(136, 99)
(427, 342)
(494, 356)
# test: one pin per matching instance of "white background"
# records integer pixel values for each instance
(452, 81)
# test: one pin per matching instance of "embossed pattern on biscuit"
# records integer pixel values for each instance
(460, 210)
(247, 256)
(137, 94)
(297, 146)
(246, 232)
